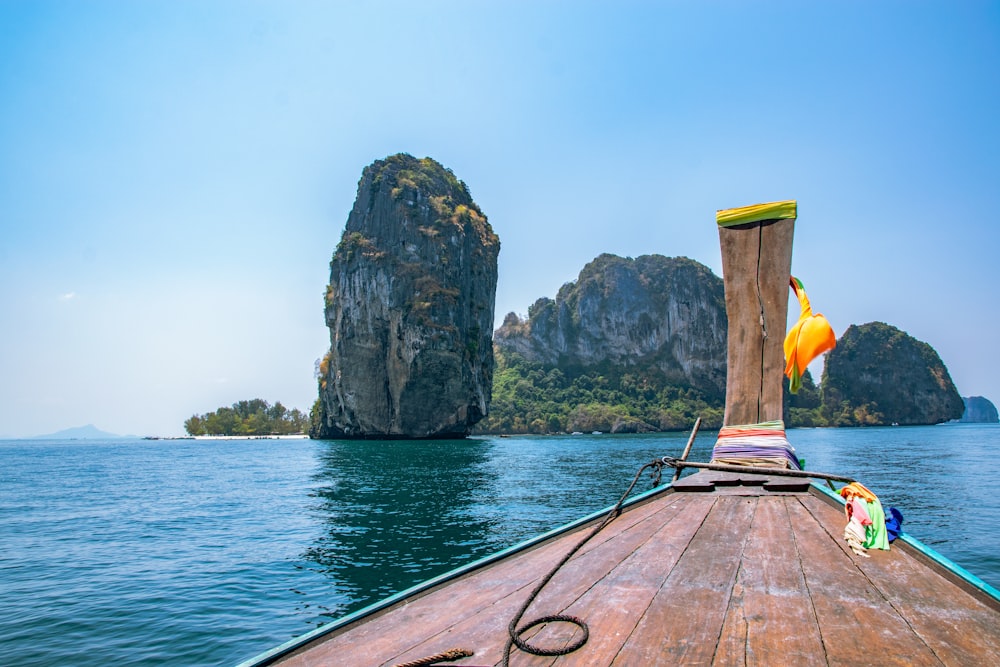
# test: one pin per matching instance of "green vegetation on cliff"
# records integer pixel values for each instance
(530, 397)
(880, 375)
(253, 417)
(805, 407)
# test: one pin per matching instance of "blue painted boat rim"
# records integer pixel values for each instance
(269, 656)
(931, 554)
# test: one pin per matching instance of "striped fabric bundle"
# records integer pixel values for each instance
(755, 445)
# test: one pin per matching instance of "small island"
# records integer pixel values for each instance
(253, 418)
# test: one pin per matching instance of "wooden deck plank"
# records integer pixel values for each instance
(959, 629)
(613, 605)
(367, 642)
(858, 624)
(486, 633)
(687, 613)
(770, 620)
(500, 588)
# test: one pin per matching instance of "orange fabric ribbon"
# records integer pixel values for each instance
(860, 490)
(811, 336)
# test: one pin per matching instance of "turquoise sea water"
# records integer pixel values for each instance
(135, 552)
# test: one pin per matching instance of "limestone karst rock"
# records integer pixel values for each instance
(979, 410)
(410, 308)
(879, 374)
(667, 313)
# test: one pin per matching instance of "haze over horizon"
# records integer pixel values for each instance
(175, 175)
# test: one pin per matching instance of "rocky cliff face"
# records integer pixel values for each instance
(979, 410)
(878, 374)
(651, 311)
(410, 308)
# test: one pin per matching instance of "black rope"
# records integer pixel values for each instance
(429, 661)
(514, 632)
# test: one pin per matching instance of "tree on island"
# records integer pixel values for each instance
(253, 417)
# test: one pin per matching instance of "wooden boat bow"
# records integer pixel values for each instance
(725, 569)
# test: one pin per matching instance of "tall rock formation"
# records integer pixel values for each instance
(410, 309)
(979, 410)
(666, 313)
(878, 374)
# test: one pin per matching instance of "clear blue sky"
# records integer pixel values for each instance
(175, 175)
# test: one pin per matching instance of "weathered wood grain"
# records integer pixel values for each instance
(684, 619)
(614, 604)
(756, 266)
(857, 622)
(770, 619)
(959, 628)
(576, 579)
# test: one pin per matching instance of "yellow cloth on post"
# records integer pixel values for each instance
(778, 210)
(811, 336)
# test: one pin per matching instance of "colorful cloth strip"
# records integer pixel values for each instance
(762, 444)
(810, 337)
(875, 534)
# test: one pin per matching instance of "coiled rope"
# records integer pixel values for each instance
(514, 632)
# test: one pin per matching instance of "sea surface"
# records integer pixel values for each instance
(181, 552)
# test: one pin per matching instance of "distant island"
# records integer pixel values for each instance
(979, 410)
(87, 432)
(255, 417)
